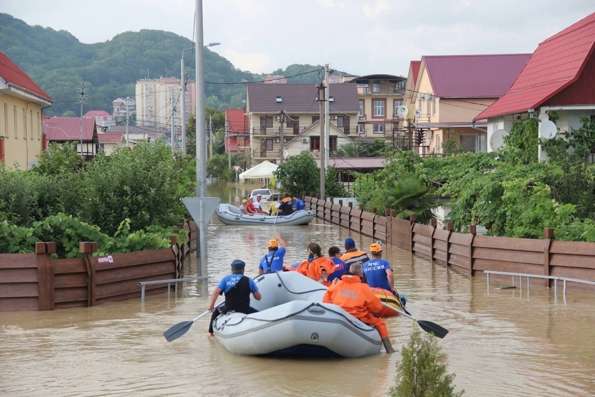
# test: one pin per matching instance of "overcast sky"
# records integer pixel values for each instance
(358, 36)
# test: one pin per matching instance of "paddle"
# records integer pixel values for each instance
(428, 326)
(175, 331)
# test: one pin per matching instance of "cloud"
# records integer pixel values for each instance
(252, 61)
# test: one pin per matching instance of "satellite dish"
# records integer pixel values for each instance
(497, 139)
(402, 111)
(547, 129)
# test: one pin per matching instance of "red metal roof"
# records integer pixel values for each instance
(556, 64)
(96, 113)
(15, 76)
(68, 128)
(236, 121)
(473, 76)
(414, 67)
(110, 137)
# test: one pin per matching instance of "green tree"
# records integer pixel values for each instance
(299, 175)
(422, 371)
(218, 167)
(332, 186)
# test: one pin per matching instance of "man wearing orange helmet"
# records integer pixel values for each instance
(273, 261)
(377, 271)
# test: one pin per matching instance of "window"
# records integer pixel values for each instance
(14, 121)
(340, 122)
(333, 143)
(3, 121)
(361, 129)
(396, 104)
(400, 85)
(375, 87)
(362, 105)
(38, 124)
(315, 118)
(266, 122)
(314, 143)
(31, 136)
(24, 124)
(378, 128)
(295, 125)
(434, 102)
(268, 144)
(379, 107)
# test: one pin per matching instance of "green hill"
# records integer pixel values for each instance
(59, 62)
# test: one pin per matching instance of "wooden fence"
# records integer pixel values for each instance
(466, 253)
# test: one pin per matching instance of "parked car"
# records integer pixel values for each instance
(265, 194)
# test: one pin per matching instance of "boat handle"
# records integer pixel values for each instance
(316, 310)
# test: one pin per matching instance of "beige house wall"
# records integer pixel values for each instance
(21, 130)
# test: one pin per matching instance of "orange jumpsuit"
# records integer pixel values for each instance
(357, 299)
(314, 268)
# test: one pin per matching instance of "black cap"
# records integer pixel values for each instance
(238, 264)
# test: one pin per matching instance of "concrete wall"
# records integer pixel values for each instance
(21, 130)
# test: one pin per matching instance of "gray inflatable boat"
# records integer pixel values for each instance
(231, 215)
(292, 321)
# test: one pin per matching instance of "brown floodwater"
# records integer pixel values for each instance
(502, 342)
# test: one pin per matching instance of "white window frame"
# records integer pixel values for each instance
(383, 102)
(378, 128)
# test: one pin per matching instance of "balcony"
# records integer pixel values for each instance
(382, 90)
(274, 131)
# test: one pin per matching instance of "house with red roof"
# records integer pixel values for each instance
(109, 142)
(237, 133)
(451, 90)
(410, 88)
(22, 102)
(77, 130)
(559, 80)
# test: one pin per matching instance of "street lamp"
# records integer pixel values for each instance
(183, 91)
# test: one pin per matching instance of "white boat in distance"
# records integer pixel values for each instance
(292, 321)
(232, 215)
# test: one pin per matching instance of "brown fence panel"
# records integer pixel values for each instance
(459, 252)
(117, 276)
(336, 214)
(320, 208)
(18, 282)
(327, 210)
(509, 254)
(71, 283)
(422, 240)
(345, 218)
(307, 203)
(573, 259)
(356, 219)
(440, 246)
(400, 233)
(367, 224)
(380, 226)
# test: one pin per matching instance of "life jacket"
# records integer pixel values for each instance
(237, 299)
(353, 296)
(303, 267)
(354, 256)
(250, 209)
(316, 266)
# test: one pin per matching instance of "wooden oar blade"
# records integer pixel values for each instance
(175, 331)
(433, 328)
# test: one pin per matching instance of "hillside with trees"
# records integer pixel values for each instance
(59, 62)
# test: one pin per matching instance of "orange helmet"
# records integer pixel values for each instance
(375, 248)
(273, 243)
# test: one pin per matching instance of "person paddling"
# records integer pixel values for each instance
(237, 289)
(285, 208)
(273, 261)
(352, 254)
(377, 271)
(356, 298)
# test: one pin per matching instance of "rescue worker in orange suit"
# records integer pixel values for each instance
(356, 298)
(317, 267)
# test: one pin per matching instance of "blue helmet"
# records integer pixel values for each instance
(349, 243)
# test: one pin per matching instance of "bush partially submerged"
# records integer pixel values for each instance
(422, 370)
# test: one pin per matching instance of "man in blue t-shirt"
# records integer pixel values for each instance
(237, 289)
(273, 261)
(377, 271)
(334, 253)
(299, 204)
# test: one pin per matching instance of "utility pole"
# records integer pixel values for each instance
(172, 140)
(182, 103)
(127, 109)
(327, 127)
(210, 136)
(201, 152)
(281, 121)
(321, 123)
(82, 100)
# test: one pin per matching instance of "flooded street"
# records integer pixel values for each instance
(504, 343)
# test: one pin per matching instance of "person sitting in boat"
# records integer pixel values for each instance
(317, 267)
(377, 271)
(356, 298)
(334, 254)
(298, 204)
(285, 208)
(273, 261)
(237, 289)
(258, 204)
(352, 254)
(250, 208)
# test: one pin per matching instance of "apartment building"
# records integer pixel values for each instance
(381, 108)
(122, 107)
(283, 119)
(21, 110)
(156, 98)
